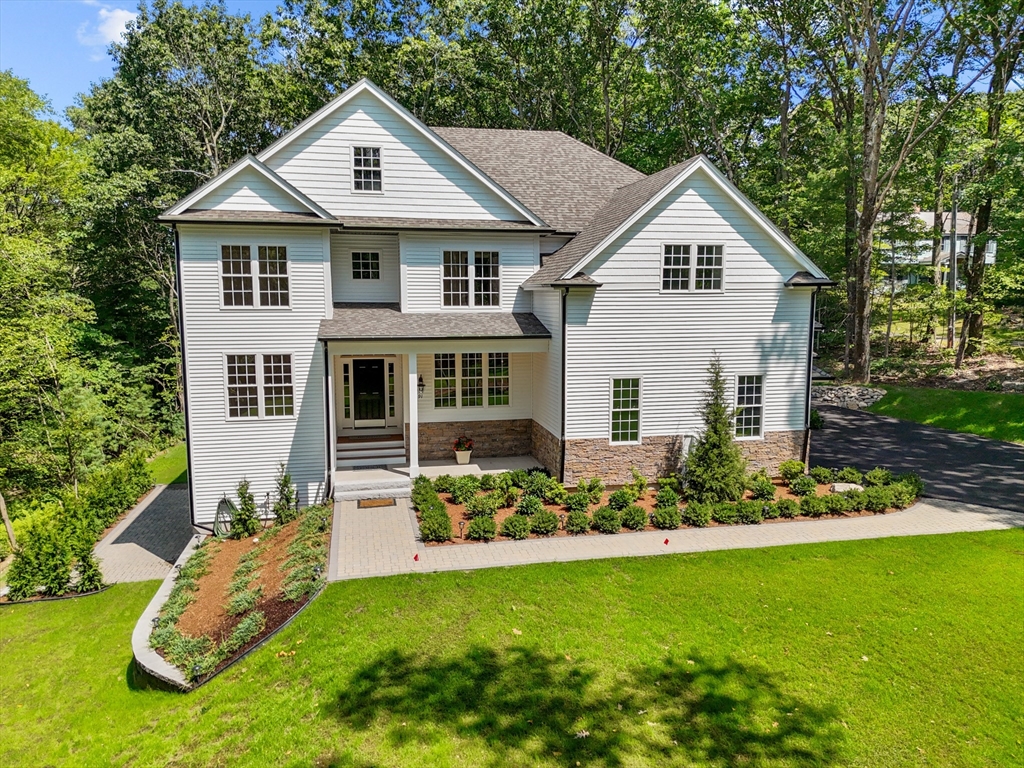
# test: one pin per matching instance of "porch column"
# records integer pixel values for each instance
(414, 415)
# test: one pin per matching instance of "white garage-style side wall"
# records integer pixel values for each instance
(223, 450)
(420, 179)
(421, 256)
(631, 328)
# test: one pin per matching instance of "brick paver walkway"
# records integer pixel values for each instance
(145, 544)
(383, 541)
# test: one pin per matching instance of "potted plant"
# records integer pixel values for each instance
(463, 447)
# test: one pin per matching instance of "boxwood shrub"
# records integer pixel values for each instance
(578, 502)
(725, 513)
(488, 504)
(606, 520)
(770, 510)
(903, 495)
(836, 504)
(544, 523)
(443, 483)
(787, 508)
(804, 485)
(634, 518)
(749, 512)
(877, 498)
(667, 497)
(667, 518)
(791, 469)
(696, 514)
(435, 526)
(515, 527)
(823, 475)
(849, 475)
(878, 476)
(813, 506)
(855, 500)
(912, 481)
(620, 499)
(762, 488)
(487, 482)
(530, 505)
(519, 477)
(482, 528)
(577, 522)
(464, 488)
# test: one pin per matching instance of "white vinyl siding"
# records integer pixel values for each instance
(631, 327)
(225, 450)
(547, 367)
(249, 190)
(346, 288)
(520, 396)
(420, 179)
(422, 258)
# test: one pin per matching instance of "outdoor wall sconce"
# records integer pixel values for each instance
(420, 386)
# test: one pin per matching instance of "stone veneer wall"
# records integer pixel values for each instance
(547, 449)
(596, 457)
(508, 437)
(776, 448)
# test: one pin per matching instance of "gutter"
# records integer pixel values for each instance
(184, 374)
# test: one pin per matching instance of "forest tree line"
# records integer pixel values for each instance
(839, 118)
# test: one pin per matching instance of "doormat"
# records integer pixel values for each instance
(372, 503)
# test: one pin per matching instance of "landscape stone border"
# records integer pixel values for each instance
(856, 398)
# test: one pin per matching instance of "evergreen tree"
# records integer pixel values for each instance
(246, 521)
(715, 466)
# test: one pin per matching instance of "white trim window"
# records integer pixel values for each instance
(455, 278)
(625, 411)
(486, 283)
(365, 265)
(472, 380)
(238, 264)
(707, 271)
(675, 268)
(445, 380)
(366, 170)
(749, 406)
(458, 273)
(249, 396)
(498, 378)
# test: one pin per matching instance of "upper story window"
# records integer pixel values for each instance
(682, 271)
(458, 273)
(365, 265)
(749, 405)
(366, 172)
(236, 273)
(249, 396)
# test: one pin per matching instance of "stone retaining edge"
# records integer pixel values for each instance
(146, 659)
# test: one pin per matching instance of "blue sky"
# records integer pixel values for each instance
(60, 45)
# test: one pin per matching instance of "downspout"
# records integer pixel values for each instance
(565, 301)
(810, 377)
(184, 376)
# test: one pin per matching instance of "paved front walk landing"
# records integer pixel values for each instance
(145, 544)
(383, 541)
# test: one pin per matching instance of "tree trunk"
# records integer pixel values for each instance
(7, 523)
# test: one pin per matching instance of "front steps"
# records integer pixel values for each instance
(382, 450)
(364, 468)
(356, 484)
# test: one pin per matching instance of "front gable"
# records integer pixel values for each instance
(423, 177)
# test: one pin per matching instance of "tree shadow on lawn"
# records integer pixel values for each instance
(525, 706)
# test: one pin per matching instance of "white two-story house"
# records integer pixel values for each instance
(367, 289)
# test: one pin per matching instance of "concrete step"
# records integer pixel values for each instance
(371, 453)
(371, 445)
(350, 462)
(370, 484)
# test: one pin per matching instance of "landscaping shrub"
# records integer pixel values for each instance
(791, 470)
(43, 559)
(762, 488)
(634, 518)
(903, 495)
(515, 527)
(813, 506)
(725, 513)
(606, 520)
(578, 502)
(482, 528)
(243, 601)
(544, 523)
(285, 498)
(487, 482)
(530, 505)
(435, 526)
(464, 488)
(672, 481)
(666, 497)
(877, 498)
(593, 487)
(787, 508)
(836, 504)
(444, 483)
(487, 504)
(244, 631)
(555, 493)
(113, 488)
(505, 490)
(715, 465)
(803, 485)
(422, 490)
(823, 475)
(536, 484)
(855, 500)
(637, 487)
(849, 475)
(667, 518)
(90, 577)
(519, 477)
(912, 481)
(697, 514)
(749, 512)
(246, 521)
(577, 522)
(620, 499)
(769, 510)
(878, 476)
(817, 421)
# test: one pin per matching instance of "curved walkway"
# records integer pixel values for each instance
(384, 541)
(954, 465)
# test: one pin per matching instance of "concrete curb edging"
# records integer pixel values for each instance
(146, 659)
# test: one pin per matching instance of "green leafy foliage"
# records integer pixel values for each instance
(537, 484)
(912, 481)
(791, 470)
(483, 528)
(634, 518)
(697, 514)
(823, 475)
(487, 504)
(725, 513)
(666, 497)
(556, 493)
(445, 483)
(836, 504)
(636, 487)
(817, 421)
(606, 520)
(285, 507)
(530, 505)
(578, 522)
(487, 482)
(849, 475)
(578, 502)
(544, 523)
(515, 527)
(903, 494)
(787, 508)
(464, 488)
(813, 506)
(519, 477)
(620, 499)
(667, 518)
(594, 489)
(855, 500)
(770, 510)
(762, 488)
(715, 466)
(749, 512)
(877, 476)
(803, 485)
(246, 521)
(877, 498)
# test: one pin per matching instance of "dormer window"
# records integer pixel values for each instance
(366, 171)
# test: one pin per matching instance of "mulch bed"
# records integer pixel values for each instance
(457, 513)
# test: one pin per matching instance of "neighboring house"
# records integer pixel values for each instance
(965, 226)
(367, 289)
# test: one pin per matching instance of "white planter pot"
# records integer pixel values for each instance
(462, 457)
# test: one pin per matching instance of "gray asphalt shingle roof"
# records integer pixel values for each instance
(562, 180)
(387, 322)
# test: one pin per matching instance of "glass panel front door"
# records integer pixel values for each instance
(369, 392)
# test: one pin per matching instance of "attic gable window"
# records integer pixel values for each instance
(366, 170)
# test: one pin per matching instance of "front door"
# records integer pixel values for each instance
(368, 389)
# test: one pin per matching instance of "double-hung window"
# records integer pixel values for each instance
(459, 273)
(749, 405)
(236, 275)
(445, 381)
(707, 275)
(675, 270)
(684, 270)
(366, 170)
(252, 396)
(625, 426)
(471, 380)
(497, 378)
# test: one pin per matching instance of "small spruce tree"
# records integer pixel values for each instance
(284, 504)
(246, 521)
(715, 467)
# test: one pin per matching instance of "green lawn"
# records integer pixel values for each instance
(170, 466)
(989, 414)
(903, 651)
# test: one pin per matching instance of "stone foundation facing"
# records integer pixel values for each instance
(775, 448)
(547, 449)
(509, 437)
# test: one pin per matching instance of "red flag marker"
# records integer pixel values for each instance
(416, 557)
(666, 541)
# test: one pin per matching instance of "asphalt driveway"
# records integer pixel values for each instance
(954, 465)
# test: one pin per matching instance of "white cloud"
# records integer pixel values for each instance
(107, 28)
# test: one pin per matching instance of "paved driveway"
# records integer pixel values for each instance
(954, 465)
(145, 544)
